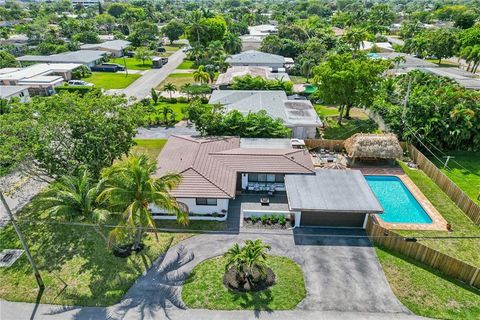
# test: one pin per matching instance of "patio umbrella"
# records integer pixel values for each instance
(335, 165)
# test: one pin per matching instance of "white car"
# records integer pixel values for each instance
(80, 83)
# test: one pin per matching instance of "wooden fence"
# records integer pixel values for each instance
(463, 201)
(447, 265)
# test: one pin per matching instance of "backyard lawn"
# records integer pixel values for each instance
(425, 291)
(150, 147)
(186, 64)
(204, 288)
(75, 264)
(463, 249)
(132, 63)
(359, 122)
(468, 177)
(109, 80)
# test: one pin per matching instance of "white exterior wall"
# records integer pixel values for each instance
(304, 132)
(222, 204)
(271, 65)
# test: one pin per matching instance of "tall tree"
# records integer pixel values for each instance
(232, 43)
(129, 188)
(173, 30)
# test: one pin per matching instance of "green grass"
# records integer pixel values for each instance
(186, 64)
(172, 47)
(298, 79)
(75, 264)
(359, 122)
(444, 64)
(204, 288)
(468, 177)
(426, 292)
(109, 80)
(463, 249)
(150, 147)
(132, 63)
(193, 225)
(178, 79)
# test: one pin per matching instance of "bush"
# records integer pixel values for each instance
(254, 219)
(184, 100)
(274, 218)
(81, 72)
(282, 220)
(265, 219)
(82, 90)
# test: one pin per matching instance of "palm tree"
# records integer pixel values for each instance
(253, 256)
(232, 43)
(170, 88)
(166, 111)
(74, 199)
(129, 187)
(201, 75)
(306, 67)
(354, 37)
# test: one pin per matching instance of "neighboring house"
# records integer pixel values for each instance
(115, 47)
(224, 79)
(88, 58)
(410, 61)
(253, 40)
(213, 169)
(86, 3)
(8, 92)
(377, 46)
(464, 78)
(255, 58)
(16, 40)
(41, 78)
(298, 115)
(216, 170)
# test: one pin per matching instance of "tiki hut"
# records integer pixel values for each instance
(367, 147)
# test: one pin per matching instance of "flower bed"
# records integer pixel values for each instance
(270, 221)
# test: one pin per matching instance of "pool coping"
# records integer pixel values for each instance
(438, 221)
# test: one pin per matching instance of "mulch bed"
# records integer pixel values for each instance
(233, 281)
(247, 223)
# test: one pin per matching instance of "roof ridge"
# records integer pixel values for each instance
(221, 189)
(286, 156)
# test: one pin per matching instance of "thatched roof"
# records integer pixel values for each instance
(373, 146)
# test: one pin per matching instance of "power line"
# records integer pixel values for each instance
(149, 229)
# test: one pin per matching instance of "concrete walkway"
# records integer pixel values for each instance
(152, 78)
(343, 278)
(165, 132)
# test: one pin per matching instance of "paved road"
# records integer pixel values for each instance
(343, 277)
(152, 78)
(165, 132)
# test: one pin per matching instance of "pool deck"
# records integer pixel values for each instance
(438, 222)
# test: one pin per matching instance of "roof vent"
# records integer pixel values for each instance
(9, 256)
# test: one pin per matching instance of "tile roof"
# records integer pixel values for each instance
(209, 165)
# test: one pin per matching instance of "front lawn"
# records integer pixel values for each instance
(186, 65)
(465, 173)
(132, 63)
(204, 288)
(463, 249)
(199, 225)
(178, 79)
(110, 80)
(154, 115)
(359, 122)
(75, 264)
(150, 147)
(427, 292)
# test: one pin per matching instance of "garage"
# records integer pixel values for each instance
(332, 219)
(331, 198)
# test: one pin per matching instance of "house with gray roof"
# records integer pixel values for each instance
(298, 115)
(115, 47)
(217, 170)
(88, 58)
(256, 59)
(9, 92)
(464, 78)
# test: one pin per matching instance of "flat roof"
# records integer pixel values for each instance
(464, 78)
(80, 56)
(37, 70)
(107, 45)
(257, 57)
(241, 71)
(410, 61)
(331, 190)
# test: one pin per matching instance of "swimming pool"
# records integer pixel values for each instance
(399, 205)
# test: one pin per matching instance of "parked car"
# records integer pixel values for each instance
(160, 49)
(108, 67)
(119, 66)
(80, 83)
(130, 54)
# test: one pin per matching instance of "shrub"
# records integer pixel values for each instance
(265, 219)
(82, 90)
(183, 100)
(282, 220)
(254, 219)
(274, 218)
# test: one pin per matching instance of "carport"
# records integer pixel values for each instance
(331, 198)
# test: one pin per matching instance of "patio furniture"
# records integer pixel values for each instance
(264, 201)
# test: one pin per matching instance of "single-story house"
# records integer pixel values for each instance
(250, 42)
(410, 61)
(213, 169)
(464, 78)
(331, 198)
(379, 46)
(216, 170)
(224, 79)
(253, 40)
(88, 58)
(299, 115)
(256, 59)
(8, 92)
(262, 30)
(115, 47)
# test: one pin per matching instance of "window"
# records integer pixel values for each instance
(263, 177)
(206, 201)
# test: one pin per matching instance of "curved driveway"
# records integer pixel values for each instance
(343, 278)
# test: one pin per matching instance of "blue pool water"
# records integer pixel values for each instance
(399, 205)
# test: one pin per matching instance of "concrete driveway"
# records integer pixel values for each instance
(343, 279)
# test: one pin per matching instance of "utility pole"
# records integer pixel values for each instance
(445, 165)
(40, 283)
